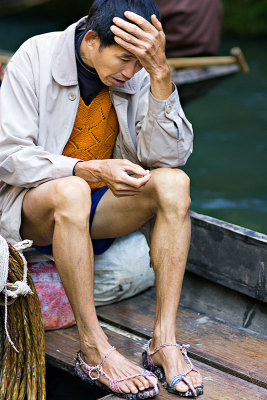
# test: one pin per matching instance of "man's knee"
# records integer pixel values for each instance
(171, 190)
(71, 198)
(55, 201)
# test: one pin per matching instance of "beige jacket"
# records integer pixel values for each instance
(38, 104)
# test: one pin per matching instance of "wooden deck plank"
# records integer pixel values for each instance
(229, 349)
(62, 345)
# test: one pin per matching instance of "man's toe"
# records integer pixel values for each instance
(132, 387)
(197, 380)
(139, 384)
(152, 381)
(181, 387)
(124, 388)
(145, 382)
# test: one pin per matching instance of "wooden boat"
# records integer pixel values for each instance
(222, 315)
(194, 76)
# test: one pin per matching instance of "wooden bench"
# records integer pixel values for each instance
(233, 362)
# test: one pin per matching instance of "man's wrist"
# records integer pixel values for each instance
(162, 74)
(161, 85)
(74, 168)
(89, 170)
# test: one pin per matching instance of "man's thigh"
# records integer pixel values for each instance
(118, 216)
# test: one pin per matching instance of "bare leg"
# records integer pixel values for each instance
(59, 210)
(169, 251)
(166, 195)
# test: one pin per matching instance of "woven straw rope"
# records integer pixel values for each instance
(22, 372)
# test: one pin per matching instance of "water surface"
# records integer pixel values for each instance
(228, 166)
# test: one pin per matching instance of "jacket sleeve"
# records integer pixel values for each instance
(22, 162)
(164, 135)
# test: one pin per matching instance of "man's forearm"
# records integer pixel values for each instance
(90, 171)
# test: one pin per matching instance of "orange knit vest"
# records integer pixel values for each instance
(94, 131)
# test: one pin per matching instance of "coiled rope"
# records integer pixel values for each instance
(23, 358)
(18, 288)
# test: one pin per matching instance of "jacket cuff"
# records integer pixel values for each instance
(161, 109)
(63, 165)
(73, 171)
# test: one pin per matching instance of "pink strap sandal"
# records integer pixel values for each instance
(92, 374)
(159, 372)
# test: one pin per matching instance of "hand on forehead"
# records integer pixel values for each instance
(137, 32)
(138, 24)
(142, 38)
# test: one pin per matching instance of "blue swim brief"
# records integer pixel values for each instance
(99, 245)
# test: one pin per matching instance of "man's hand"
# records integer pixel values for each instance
(115, 174)
(147, 42)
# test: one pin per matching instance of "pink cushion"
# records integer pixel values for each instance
(56, 309)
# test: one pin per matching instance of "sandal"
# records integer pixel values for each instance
(92, 374)
(159, 372)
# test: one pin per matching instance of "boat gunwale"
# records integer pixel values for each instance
(246, 233)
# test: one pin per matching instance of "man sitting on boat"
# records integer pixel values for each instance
(85, 114)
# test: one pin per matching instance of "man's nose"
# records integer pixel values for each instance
(129, 70)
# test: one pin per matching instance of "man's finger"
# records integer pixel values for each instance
(133, 189)
(126, 193)
(127, 37)
(135, 168)
(128, 27)
(135, 182)
(129, 47)
(140, 21)
(135, 29)
(126, 190)
(156, 23)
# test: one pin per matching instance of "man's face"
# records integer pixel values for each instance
(114, 64)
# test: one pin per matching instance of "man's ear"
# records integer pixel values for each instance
(91, 39)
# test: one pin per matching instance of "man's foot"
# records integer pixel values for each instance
(117, 367)
(171, 359)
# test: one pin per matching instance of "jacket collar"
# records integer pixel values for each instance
(64, 69)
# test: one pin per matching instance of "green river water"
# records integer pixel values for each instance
(228, 165)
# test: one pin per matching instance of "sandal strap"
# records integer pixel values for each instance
(113, 383)
(182, 377)
(189, 384)
(183, 348)
(95, 368)
(175, 380)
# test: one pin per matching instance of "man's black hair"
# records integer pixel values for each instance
(102, 12)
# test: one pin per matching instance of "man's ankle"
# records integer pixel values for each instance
(162, 336)
(95, 351)
(93, 338)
